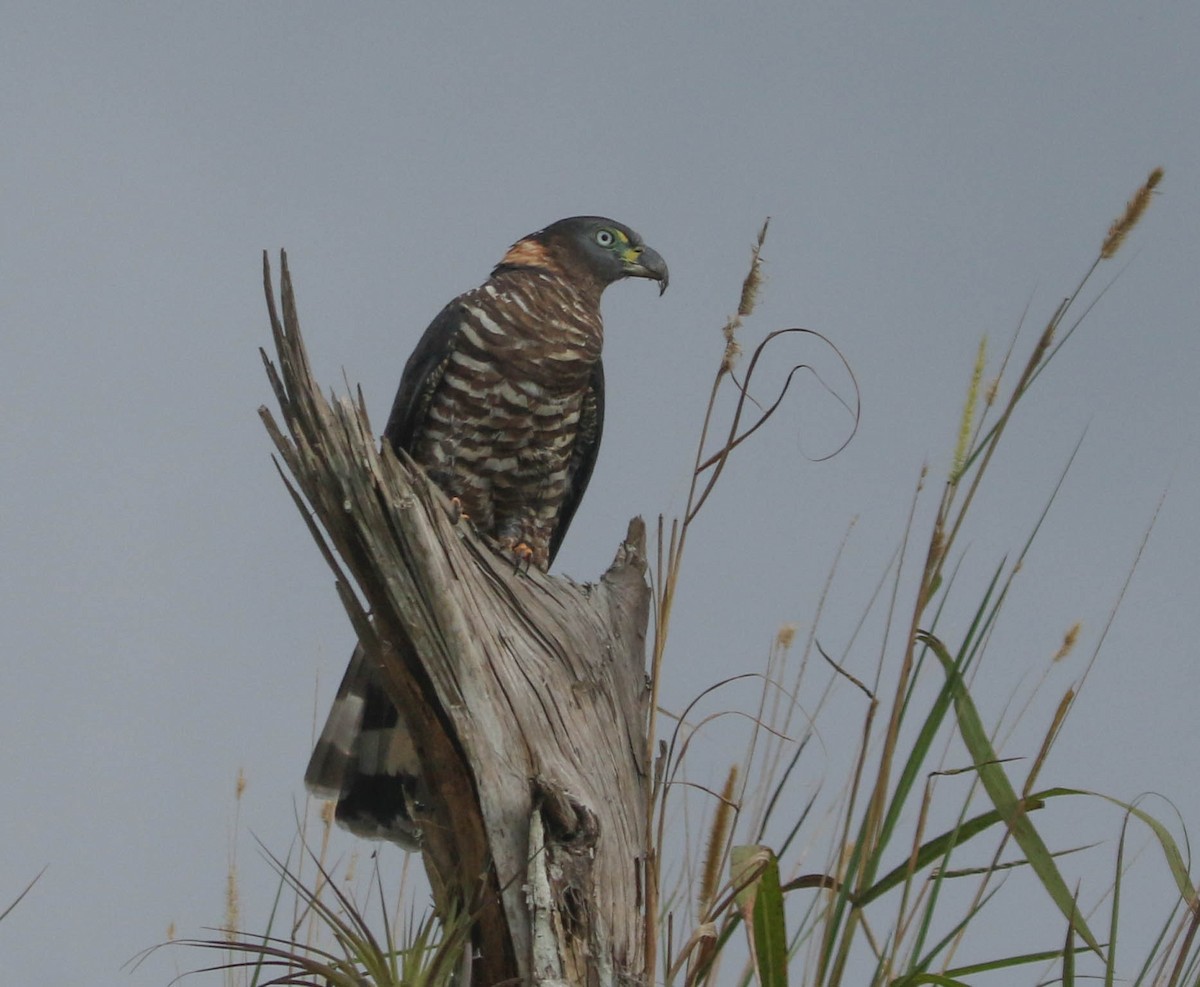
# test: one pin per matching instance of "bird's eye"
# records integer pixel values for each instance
(605, 238)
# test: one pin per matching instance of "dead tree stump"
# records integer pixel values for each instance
(525, 693)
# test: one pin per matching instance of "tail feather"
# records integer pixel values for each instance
(366, 761)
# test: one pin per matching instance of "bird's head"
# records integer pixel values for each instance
(601, 250)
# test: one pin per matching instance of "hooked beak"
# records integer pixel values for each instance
(646, 262)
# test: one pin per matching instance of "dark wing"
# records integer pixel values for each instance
(422, 374)
(583, 455)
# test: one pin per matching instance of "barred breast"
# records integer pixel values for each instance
(504, 418)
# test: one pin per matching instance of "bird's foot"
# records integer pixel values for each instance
(457, 513)
(524, 556)
(522, 553)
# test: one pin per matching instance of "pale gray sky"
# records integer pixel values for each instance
(929, 169)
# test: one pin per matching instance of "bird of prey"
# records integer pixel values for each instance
(502, 404)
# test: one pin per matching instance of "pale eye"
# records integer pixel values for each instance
(605, 238)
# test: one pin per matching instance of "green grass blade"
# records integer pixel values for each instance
(1170, 848)
(995, 782)
(754, 872)
(936, 849)
(770, 935)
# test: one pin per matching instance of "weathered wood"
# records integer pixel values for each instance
(525, 693)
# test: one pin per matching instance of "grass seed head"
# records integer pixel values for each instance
(1133, 212)
(1068, 642)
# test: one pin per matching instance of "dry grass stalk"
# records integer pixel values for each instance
(718, 836)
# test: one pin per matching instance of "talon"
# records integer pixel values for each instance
(456, 511)
(524, 555)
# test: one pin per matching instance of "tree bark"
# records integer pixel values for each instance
(525, 693)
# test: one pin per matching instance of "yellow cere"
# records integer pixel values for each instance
(629, 254)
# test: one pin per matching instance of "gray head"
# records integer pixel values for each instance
(594, 248)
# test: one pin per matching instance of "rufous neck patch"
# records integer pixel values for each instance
(530, 253)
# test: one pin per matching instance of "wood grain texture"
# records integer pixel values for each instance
(526, 697)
